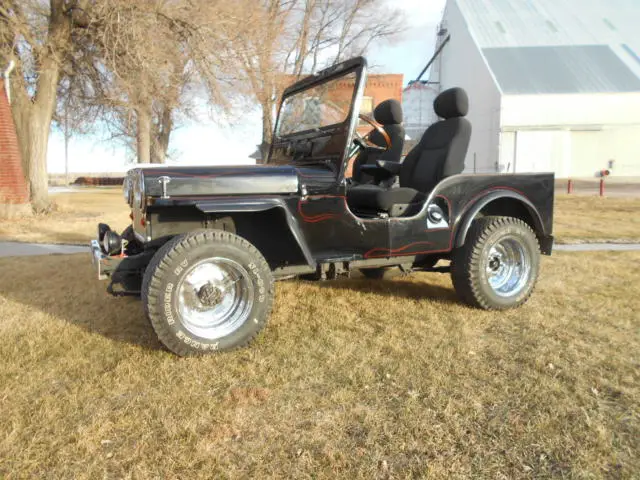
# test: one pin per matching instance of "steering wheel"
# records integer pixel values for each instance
(367, 144)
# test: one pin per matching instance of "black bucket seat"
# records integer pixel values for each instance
(389, 115)
(439, 154)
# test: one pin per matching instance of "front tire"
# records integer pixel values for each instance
(497, 267)
(207, 291)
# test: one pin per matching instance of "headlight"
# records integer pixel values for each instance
(111, 243)
(138, 191)
(126, 189)
(103, 228)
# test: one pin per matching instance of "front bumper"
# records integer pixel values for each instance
(103, 264)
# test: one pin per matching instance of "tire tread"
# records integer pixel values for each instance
(158, 268)
(465, 261)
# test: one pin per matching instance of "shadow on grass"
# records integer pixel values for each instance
(65, 287)
(398, 287)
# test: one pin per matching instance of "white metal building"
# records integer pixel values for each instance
(554, 85)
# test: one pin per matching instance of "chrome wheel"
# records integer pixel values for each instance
(215, 297)
(508, 267)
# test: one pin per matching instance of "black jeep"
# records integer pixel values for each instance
(206, 244)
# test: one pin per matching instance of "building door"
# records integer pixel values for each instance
(543, 151)
(585, 153)
(507, 161)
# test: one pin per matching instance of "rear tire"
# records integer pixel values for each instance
(207, 291)
(497, 267)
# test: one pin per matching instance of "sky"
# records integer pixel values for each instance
(206, 142)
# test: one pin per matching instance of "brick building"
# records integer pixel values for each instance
(379, 87)
(14, 194)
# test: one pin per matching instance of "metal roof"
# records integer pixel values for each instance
(564, 69)
(505, 31)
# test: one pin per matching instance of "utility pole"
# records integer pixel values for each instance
(66, 142)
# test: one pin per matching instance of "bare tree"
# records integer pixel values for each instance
(37, 35)
(149, 57)
(129, 62)
(132, 65)
(297, 37)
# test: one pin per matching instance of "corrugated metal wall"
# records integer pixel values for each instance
(509, 23)
(570, 116)
(462, 65)
(531, 114)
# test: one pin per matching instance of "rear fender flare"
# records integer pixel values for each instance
(237, 205)
(469, 214)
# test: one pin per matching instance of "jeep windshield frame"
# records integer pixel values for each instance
(313, 128)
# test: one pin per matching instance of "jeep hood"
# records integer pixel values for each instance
(224, 180)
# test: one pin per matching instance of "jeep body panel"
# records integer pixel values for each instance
(203, 181)
(334, 232)
(326, 230)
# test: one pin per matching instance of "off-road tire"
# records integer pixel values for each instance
(469, 262)
(172, 261)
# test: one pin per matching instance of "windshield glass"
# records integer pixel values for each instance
(321, 106)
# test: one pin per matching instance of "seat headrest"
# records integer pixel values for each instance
(388, 112)
(451, 103)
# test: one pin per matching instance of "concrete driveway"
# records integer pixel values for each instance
(18, 249)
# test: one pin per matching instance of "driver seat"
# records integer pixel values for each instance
(439, 154)
(389, 115)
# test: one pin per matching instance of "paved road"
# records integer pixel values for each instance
(18, 249)
(81, 189)
(598, 247)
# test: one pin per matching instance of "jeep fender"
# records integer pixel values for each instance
(253, 205)
(470, 212)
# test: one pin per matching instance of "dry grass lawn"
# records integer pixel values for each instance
(593, 219)
(74, 219)
(351, 379)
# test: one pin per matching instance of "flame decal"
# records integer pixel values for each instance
(379, 252)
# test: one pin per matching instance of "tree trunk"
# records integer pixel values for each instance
(161, 137)
(143, 136)
(158, 154)
(32, 116)
(33, 124)
(37, 161)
